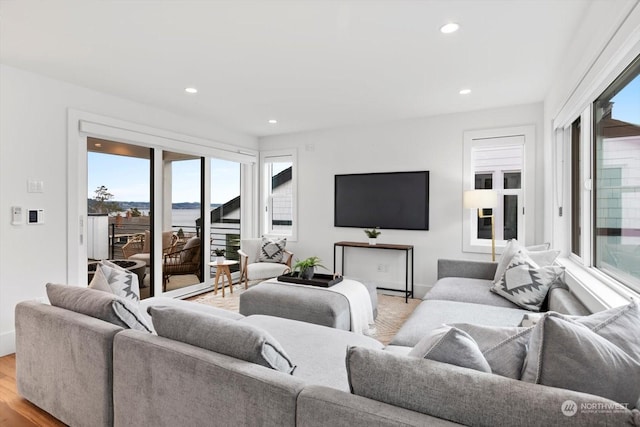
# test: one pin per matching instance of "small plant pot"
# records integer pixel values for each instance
(307, 273)
(372, 241)
(220, 259)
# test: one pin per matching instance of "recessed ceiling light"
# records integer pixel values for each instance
(191, 90)
(273, 121)
(465, 91)
(449, 28)
(97, 144)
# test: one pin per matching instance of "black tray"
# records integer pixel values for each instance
(321, 280)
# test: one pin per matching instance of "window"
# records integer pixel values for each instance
(279, 193)
(499, 168)
(495, 159)
(616, 213)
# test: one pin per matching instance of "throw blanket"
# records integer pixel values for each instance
(359, 303)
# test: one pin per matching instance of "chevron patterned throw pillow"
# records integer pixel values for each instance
(525, 283)
(272, 250)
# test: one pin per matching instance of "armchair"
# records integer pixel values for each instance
(182, 261)
(139, 247)
(252, 269)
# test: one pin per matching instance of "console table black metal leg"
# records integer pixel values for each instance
(406, 277)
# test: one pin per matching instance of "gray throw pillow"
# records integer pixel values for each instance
(101, 305)
(525, 283)
(221, 335)
(619, 325)
(272, 250)
(449, 344)
(504, 348)
(566, 354)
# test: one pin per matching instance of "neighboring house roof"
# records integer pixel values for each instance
(617, 128)
(218, 214)
(281, 178)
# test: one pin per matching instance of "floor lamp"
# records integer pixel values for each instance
(483, 199)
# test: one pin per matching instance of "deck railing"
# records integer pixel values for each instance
(221, 236)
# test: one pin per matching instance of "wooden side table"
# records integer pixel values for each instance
(222, 270)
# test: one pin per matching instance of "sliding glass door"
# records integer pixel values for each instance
(225, 212)
(182, 231)
(119, 208)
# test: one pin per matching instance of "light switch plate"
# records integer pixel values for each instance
(35, 186)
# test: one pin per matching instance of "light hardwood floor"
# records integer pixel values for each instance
(14, 410)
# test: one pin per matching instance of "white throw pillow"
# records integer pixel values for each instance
(99, 281)
(509, 251)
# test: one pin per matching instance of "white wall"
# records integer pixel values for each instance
(432, 143)
(33, 145)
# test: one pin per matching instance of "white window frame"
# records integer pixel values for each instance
(267, 157)
(496, 138)
(586, 198)
(81, 125)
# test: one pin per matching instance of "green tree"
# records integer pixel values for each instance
(135, 212)
(102, 201)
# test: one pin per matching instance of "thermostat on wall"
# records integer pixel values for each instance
(35, 216)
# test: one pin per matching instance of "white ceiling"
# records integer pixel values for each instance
(310, 64)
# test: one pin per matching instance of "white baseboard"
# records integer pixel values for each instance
(7, 343)
(419, 290)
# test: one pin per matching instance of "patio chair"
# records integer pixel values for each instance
(139, 247)
(183, 261)
(251, 268)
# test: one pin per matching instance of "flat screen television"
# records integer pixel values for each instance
(388, 200)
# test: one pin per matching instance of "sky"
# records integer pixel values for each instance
(625, 104)
(127, 178)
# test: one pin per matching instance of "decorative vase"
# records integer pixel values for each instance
(307, 273)
(372, 241)
(220, 259)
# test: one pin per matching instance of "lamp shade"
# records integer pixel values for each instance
(480, 199)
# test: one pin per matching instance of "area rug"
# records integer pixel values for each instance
(392, 310)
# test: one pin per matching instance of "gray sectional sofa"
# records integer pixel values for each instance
(88, 372)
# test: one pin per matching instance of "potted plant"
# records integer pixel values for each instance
(219, 255)
(372, 235)
(306, 267)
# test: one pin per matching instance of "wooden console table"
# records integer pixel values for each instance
(406, 248)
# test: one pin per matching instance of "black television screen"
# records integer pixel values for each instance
(392, 200)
